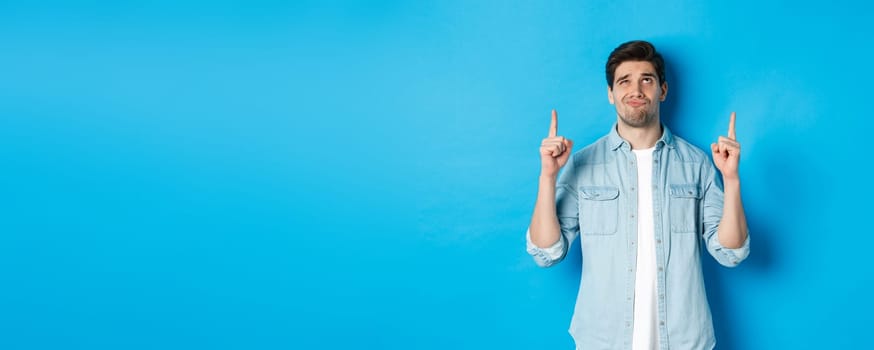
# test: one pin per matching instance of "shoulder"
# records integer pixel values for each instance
(598, 152)
(686, 152)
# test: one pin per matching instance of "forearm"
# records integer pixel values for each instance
(733, 225)
(544, 229)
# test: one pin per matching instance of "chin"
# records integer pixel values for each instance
(637, 121)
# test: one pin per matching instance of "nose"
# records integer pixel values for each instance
(637, 89)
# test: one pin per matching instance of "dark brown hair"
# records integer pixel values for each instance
(637, 50)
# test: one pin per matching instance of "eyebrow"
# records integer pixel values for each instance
(652, 75)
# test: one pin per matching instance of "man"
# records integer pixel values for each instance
(642, 201)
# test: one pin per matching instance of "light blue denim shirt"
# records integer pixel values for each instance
(596, 199)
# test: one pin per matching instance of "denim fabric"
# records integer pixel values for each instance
(596, 200)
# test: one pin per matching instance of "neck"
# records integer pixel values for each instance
(642, 137)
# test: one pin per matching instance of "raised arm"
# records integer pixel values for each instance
(554, 153)
(733, 229)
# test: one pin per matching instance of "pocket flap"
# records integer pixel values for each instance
(685, 191)
(599, 193)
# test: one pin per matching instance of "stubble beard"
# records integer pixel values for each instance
(637, 117)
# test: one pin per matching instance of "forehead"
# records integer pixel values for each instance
(634, 68)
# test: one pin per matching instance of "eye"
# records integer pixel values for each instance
(647, 80)
(623, 82)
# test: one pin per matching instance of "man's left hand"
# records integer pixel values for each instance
(726, 152)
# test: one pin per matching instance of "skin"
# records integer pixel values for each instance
(637, 95)
(726, 157)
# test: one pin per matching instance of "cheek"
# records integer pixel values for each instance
(617, 95)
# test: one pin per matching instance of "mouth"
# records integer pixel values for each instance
(635, 103)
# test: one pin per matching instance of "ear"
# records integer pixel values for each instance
(610, 94)
(664, 91)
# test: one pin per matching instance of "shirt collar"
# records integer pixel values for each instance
(615, 141)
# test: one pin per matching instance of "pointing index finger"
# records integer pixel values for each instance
(731, 134)
(553, 126)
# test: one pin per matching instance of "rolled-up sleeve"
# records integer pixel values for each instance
(546, 257)
(727, 256)
(714, 197)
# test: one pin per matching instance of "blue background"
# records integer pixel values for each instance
(272, 175)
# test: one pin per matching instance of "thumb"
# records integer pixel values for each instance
(714, 148)
(568, 147)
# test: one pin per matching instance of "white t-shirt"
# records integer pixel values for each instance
(645, 332)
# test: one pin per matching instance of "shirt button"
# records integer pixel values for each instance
(632, 188)
(661, 269)
(658, 241)
(662, 323)
(632, 216)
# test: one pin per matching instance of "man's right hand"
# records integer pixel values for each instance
(554, 150)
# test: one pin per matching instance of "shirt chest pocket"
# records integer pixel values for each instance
(684, 207)
(599, 210)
